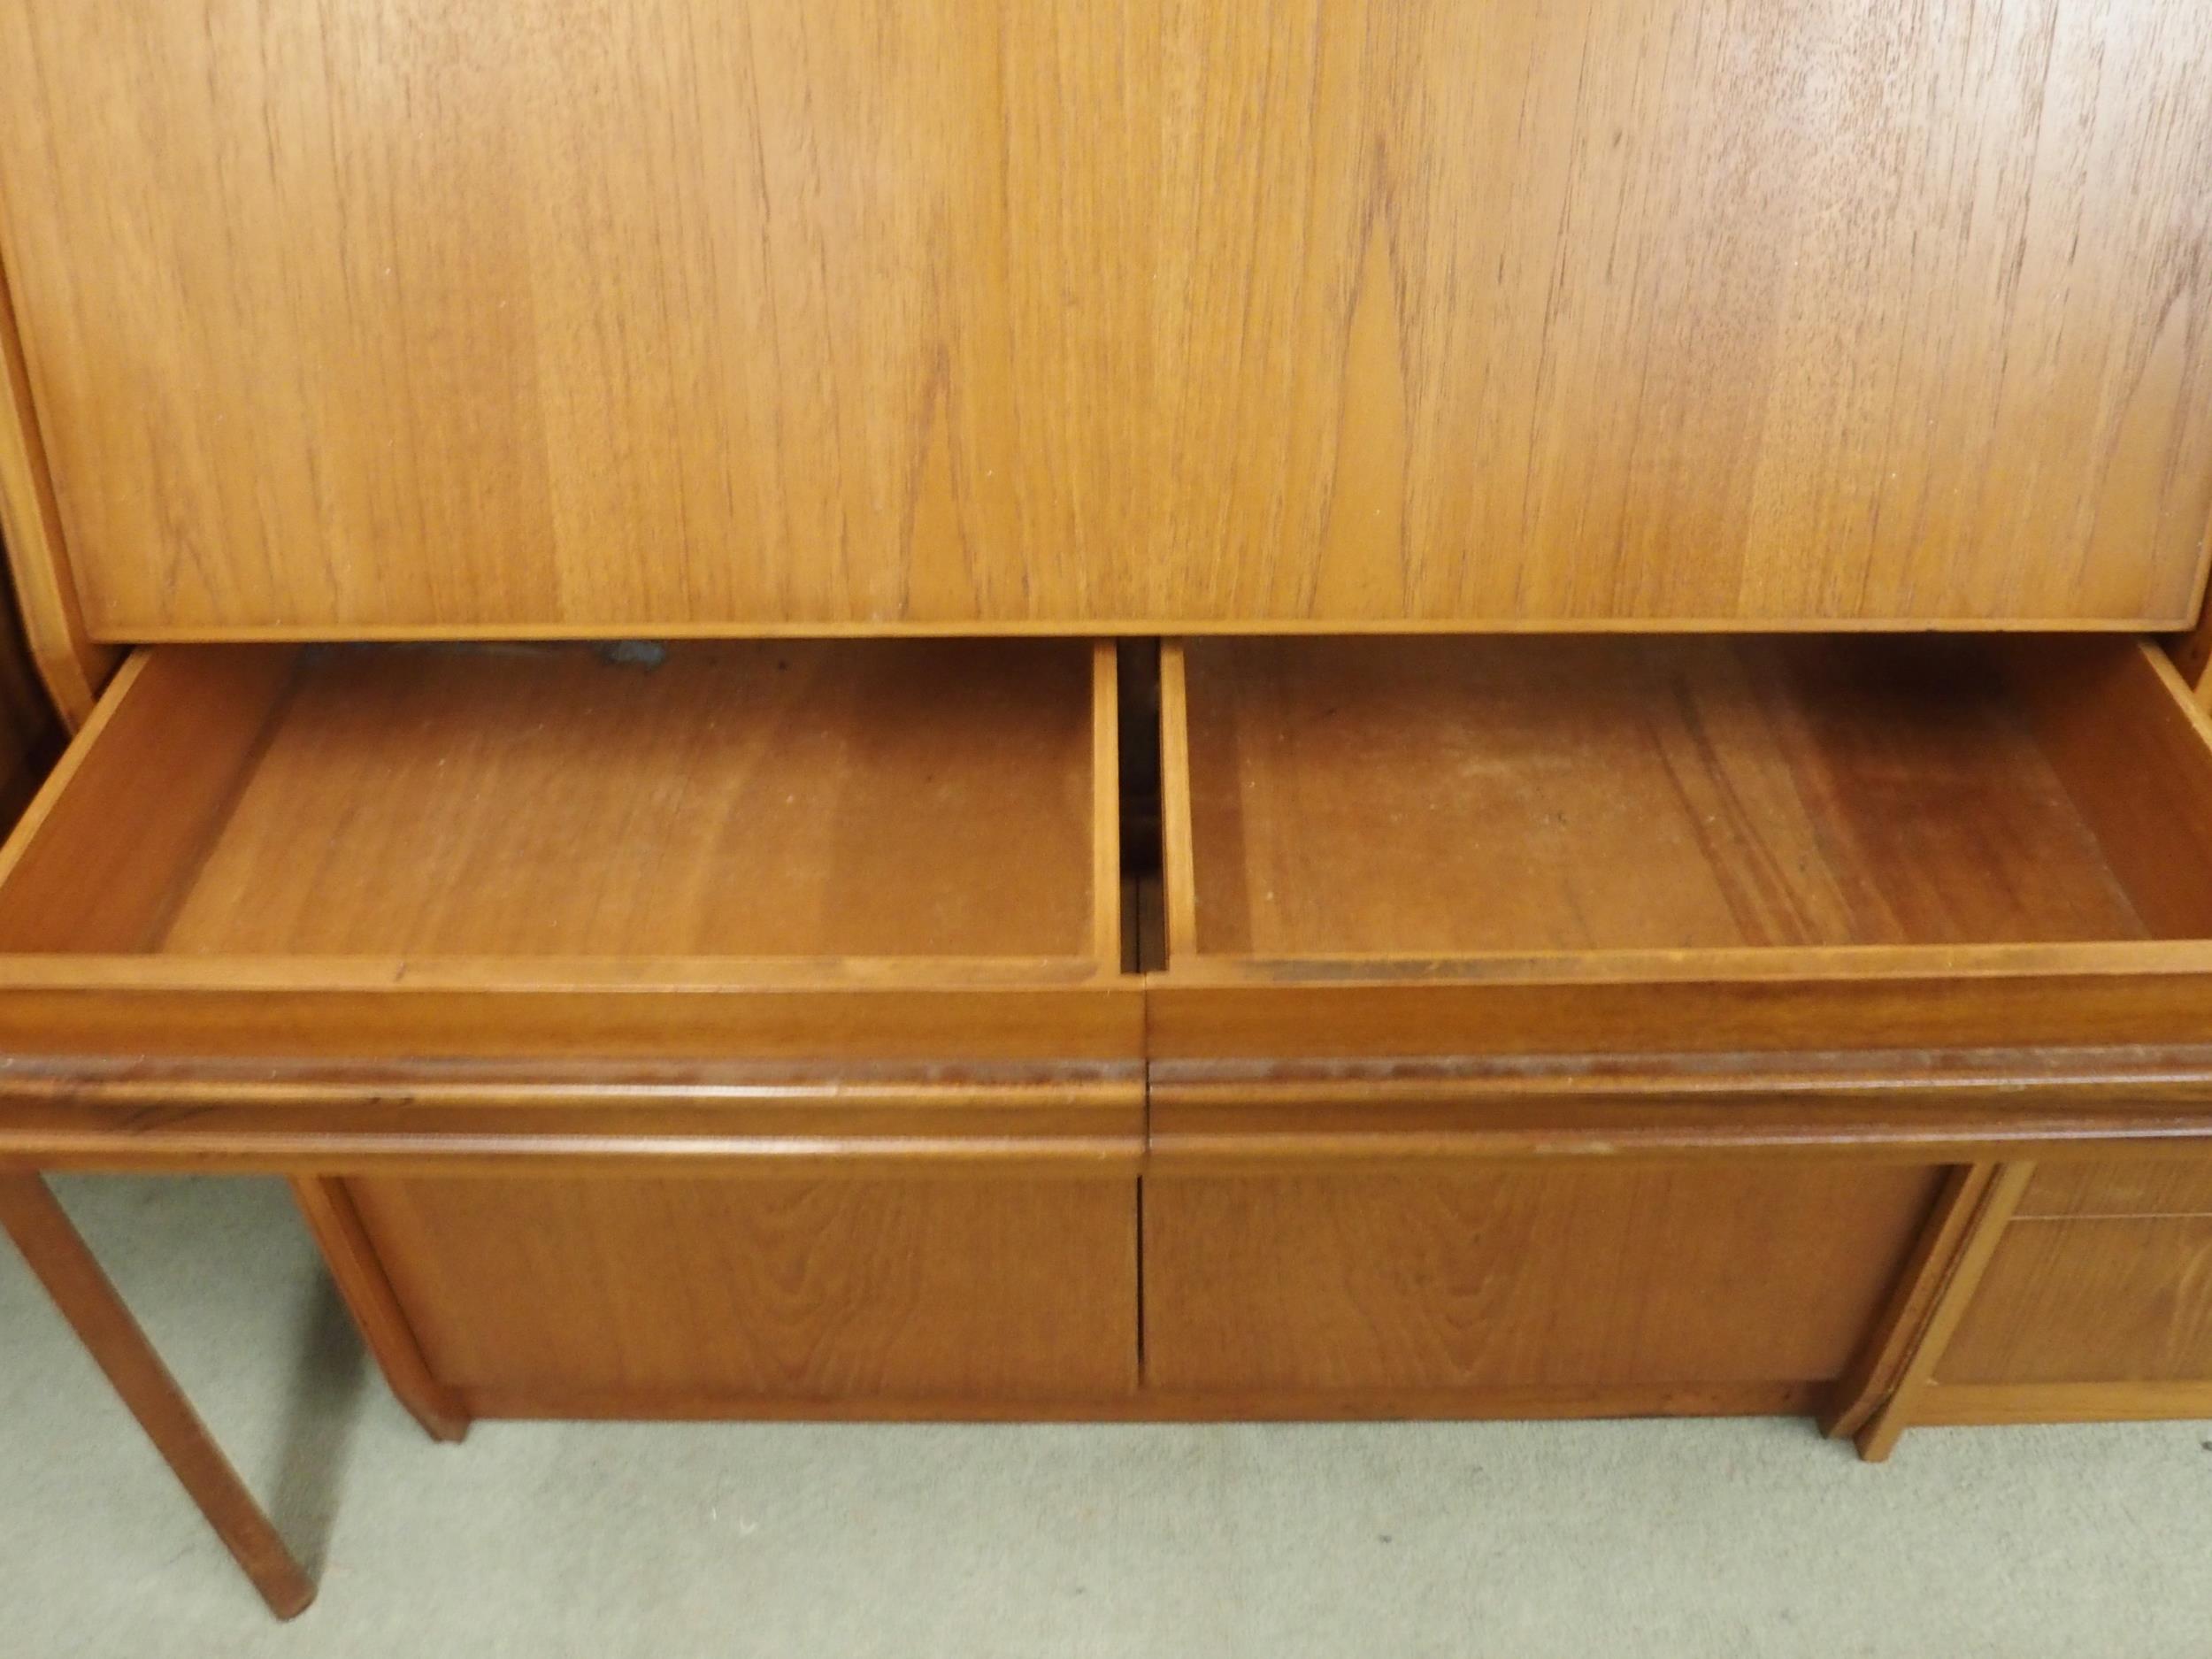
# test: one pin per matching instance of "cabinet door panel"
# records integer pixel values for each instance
(1523, 1277)
(2090, 1300)
(2137, 1186)
(653, 1296)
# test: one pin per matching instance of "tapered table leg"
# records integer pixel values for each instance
(66, 1266)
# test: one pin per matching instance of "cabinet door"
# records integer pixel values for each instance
(1755, 1278)
(2097, 1299)
(890, 1296)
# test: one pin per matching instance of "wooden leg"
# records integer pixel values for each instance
(346, 1246)
(66, 1266)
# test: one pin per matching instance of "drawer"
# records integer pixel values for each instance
(1862, 890)
(2084, 1301)
(2175, 1186)
(782, 896)
(726, 1028)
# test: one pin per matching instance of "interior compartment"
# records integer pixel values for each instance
(854, 800)
(1442, 798)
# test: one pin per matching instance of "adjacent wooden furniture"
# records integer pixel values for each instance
(1394, 708)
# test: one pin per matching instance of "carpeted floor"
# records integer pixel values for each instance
(1391, 1541)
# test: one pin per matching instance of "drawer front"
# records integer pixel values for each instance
(2139, 1186)
(646, 1296)
(1525, 1275)
(2090, 1300)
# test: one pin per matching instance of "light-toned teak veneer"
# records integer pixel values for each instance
(1685, 985)
(1518, 847)
(43, 596)
(2086, 1295)
(1685, 874)
(785, 970)
(349, 319)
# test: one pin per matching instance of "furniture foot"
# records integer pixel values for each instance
(64, 1266)
(1879, 1439)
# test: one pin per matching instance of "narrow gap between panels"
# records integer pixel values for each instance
(1139, 678)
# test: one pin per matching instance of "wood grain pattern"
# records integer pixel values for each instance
(57, 1254)
(808, 1290)
(2119, 1191)
(392, 855)
(891, 798)
(2090, 1300)
(44, 595)
(96, 863)
(2123, 731)
(935, 1113)
(1393, 1112)
(1637, 847)
(886, 799)
(1439, 798)
(1764, 1002)
(401, 316)
(1328, 1281)
(391, 1009)
(1678, 310)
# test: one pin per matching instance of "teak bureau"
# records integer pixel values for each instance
(1136, 710)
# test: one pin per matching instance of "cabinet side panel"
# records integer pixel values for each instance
(44, 600)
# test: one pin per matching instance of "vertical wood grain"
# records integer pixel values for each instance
(651, 1291)
(70, 667)
(402, 315)
(1337, 1282)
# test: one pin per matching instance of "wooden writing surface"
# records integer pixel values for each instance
(415, 317)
